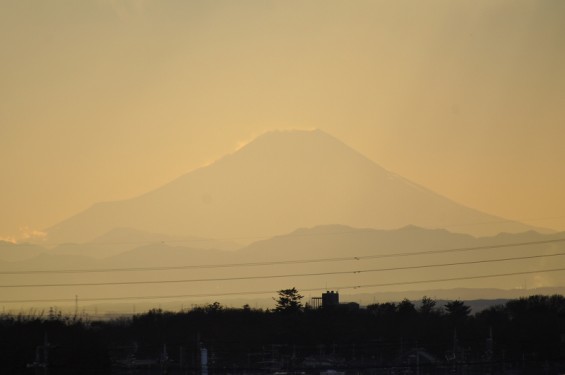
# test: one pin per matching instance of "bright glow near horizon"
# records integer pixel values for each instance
(105, 100)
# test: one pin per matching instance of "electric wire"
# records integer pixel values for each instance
(283, 275)
(283, 262)
(249, 293)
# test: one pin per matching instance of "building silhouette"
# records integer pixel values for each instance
(329, 300)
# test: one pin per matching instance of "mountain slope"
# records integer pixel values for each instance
(11, 252)
(281, 181)
(351, 260)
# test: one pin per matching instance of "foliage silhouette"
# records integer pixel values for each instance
(525, 334)
(289, 301)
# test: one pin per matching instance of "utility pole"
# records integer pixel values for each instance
(45, 350)
(203, 360)
(41, 357)
(164, 360)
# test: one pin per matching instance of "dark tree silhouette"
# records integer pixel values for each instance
(523, 336)
(289, 300)
(427, 306)
(214, 307)
(457, 310)
(406, 307)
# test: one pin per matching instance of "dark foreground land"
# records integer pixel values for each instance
(524, 336)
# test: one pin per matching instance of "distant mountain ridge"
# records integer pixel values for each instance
(281, 181)
(373, 264)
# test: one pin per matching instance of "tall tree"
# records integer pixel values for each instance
(289, 300)
(457, 310)
(406, 307)
(427, 306)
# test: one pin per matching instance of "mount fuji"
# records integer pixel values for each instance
(281, 181)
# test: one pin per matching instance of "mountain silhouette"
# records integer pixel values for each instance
(369, 263)
(281, 181)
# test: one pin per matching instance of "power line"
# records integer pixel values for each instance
(281, 276)
(458, 278)
(298, 261)
(354, 287)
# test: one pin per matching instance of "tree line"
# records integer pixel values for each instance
(526, 333)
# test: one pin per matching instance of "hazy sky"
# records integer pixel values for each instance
(105, 99)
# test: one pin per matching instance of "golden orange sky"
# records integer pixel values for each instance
(105, 99)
